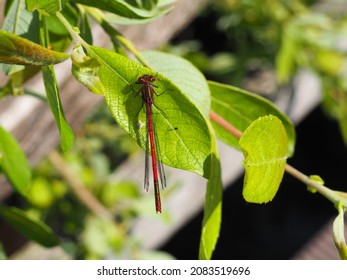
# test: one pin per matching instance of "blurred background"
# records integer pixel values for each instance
(291, 52)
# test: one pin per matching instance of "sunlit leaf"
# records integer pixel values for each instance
(212, 210)
(17, 50)
(182, 130)
(66, 134)
(318, 180)
(265, 147)
(13, 163)
(20, 22)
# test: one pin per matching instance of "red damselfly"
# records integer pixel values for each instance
(152, 143)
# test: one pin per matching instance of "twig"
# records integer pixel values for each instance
(83, 194)
(225, 124)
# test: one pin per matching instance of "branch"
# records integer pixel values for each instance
(334, 196)
(83, 194)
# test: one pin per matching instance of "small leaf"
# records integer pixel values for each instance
(318, 180)
(29, 227)
(240, 108)
(212, 210)
(66, 134)
(265, 146)
(13, 163)
(17, 50)
(184, 137)
(46, 7)
(85, 69)
(339, 234)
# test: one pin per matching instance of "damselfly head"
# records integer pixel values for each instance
(145, 79)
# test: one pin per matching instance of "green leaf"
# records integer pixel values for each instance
(66, 134)
(264, 145)
(13, 163)
(85, 69)
(149, 4)
(29, 227)
(339, 234)
(285, 60)
(183, 133)
(121, 8)
(17, 50)
(158, 10)
(240, 108)
(85, 28)
(20, 22)
(318, 180)
(46, 7)
(213, 208)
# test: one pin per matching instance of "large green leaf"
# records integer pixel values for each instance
(66, 134)
(213, 208)
(265, 146)
(17, 50)
(29, 227)
(240, 108)
(13, 163)
(183, 133)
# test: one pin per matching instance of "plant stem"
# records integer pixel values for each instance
(334, 196)
(84, 195)
(116, 37)
(225, 124)
(76, 38)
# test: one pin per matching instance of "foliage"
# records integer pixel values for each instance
(183, 115)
